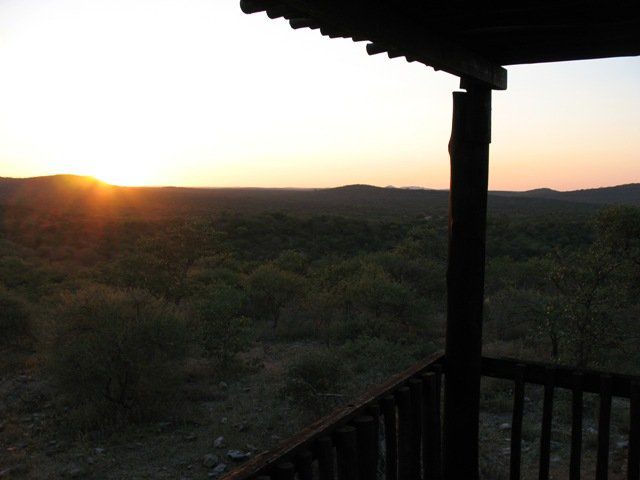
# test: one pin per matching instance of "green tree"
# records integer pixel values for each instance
(270, 289)
(375, 290)
(588, 295)
(15, 324)
(116, 352)
(161, 264)
(218, 323)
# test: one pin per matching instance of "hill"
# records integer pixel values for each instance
(628, 194)
(86, 196)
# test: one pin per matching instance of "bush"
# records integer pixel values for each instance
(15, 323)
(116, 352)
(218, 325)
(313, 381)
(372, 355)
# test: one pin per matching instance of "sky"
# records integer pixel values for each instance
(195, 93)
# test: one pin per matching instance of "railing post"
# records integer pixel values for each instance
(516, 424)
(390, 437)
(326, 457)
(303, 465)
(547, 419)
(431, 432)
(366, 441)
(285, 471)
(633, 461)
(604, 427)
(576, 427)
(469, 152)
(407, 466)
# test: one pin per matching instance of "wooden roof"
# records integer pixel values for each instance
(472, 39)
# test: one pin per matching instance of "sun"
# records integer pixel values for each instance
(123, 173)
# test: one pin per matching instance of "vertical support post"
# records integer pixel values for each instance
(469, 152)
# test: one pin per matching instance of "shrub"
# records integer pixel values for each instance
(15, 323)
(367, 355)
(313, 381)
(116, 351)
(218, 325)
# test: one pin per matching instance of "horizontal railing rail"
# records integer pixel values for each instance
(564, 377)
(394, 430)
(578, 381)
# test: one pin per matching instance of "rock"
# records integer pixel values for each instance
(74, 470)
(219, 470)
(242, 427)
(210, 460)
(223, 420)
(504, 426)
(98, 450)
(219, 442)
(9, 472)
(622, 444)
(238, 455)
(91, 460)
(223, 385)
(163, 426)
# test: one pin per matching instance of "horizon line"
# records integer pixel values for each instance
(389, 186)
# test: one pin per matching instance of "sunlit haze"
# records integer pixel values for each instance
(195, 93)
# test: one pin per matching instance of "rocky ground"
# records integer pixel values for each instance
(220, 426)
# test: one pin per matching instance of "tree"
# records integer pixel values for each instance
(161, 264)
(375, 290)
(115, 354)
(618, 233)
(588, 293)
(270, 288)
(218, 323)
(14, 318)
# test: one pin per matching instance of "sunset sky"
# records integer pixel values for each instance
(195, 93)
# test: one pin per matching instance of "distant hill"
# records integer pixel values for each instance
(628, 194)
(77, 195)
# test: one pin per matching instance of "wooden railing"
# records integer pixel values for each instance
(404, 412)
(552, 377)
(394, 430)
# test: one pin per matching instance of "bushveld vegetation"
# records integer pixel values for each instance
(122, 323)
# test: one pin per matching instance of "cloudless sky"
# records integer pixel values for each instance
(195, 93)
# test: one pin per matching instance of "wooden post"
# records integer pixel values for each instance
(469, 152)
(516, 424)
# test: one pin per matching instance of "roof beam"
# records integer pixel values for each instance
(383, 25)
